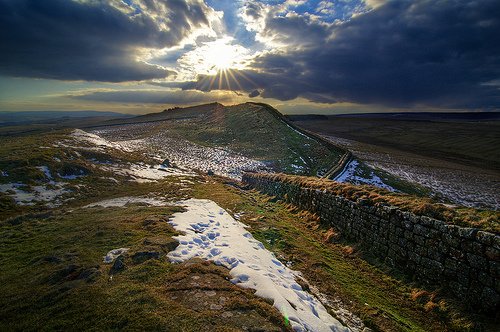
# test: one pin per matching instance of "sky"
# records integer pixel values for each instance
(341, 56)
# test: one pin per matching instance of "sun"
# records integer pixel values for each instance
(215, 56)
(221, 56)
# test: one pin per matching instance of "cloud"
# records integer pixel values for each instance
(401, 53)
(93, 40)
(177, 97)
(254, 94)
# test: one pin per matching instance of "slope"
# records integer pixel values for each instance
(255, 131)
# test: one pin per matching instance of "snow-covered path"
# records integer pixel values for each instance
(212, 234)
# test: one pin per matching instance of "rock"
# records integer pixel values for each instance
(118, 265)
(113, 254)
(70, 272)
(490, 297)
(227, 314)
(167, 244)
(51, 259)
(143, 256)
(90, 274)
(215, 307)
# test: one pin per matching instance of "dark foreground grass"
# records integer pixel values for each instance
(384, 302)
(53, 277)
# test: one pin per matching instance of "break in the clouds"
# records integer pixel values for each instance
(400, 53)
(94, 40)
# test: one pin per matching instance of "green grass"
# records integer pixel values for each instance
(255, 132)
(44, 284)
(469, 143)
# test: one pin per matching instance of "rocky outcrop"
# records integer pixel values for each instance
(463, 261)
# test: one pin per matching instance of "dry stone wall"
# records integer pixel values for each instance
(464, 261)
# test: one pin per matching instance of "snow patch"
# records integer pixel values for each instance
(45, 171)
(112, 254)
(147, 173)
(94, 139)
(123, 201)
(38, 193)
(212, 234)
(352, 173)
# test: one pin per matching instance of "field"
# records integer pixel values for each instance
(457, 160)
(70, 197)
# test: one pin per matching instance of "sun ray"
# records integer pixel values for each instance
(230, 72)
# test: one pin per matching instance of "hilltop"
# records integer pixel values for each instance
(255, 131)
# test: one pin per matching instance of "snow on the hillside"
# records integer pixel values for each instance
(46, 171)
(212, 234)
(139, 172)
(123, 201)
(147, 173)
(161, 145)
(35, 194)
(353, 174)
(96, 140)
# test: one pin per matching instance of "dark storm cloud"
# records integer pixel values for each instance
(91, 40)
(403, 53)
(254, 93)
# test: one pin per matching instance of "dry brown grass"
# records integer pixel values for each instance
(485, 219)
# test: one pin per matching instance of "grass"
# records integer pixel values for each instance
(53, 277)
(469, 143)
(484, 219)
(254, 132)
(383, 301)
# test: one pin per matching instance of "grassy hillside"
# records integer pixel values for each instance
(468, 142)
(252, 130)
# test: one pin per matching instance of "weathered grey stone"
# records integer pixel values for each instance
(486, 279)
(421, 230)
(457, 254)
(118, 265)
(467, 232)
(492, 254)
(419, 240)
(485, 237)
(142, 256)
(451, 240)
(426, 221)
(490, 298)
(477, 262)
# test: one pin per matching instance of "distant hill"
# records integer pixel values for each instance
(28, 117)
(417, 116)
(405, 116)
(471, 139)
(257, 131)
